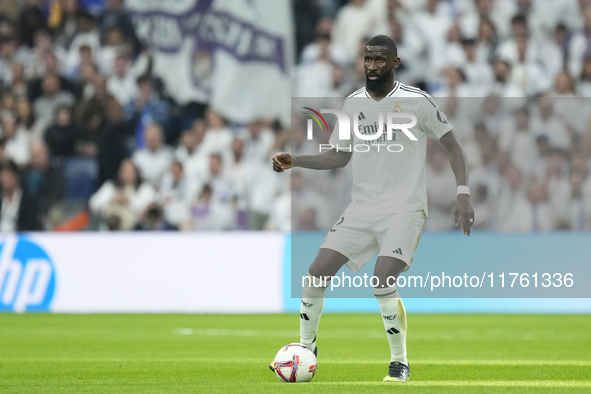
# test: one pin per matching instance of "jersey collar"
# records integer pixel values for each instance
(396, 84)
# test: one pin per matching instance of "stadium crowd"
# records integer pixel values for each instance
(90, 139)
(513, 77)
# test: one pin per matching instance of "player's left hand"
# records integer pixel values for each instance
(464, 213)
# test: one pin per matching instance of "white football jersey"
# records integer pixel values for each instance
(392, 179)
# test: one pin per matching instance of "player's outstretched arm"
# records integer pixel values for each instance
(463, 212)
(323, 161)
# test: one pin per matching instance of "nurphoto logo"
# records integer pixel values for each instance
(374, 135)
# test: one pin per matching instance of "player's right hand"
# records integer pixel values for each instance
(281, 162)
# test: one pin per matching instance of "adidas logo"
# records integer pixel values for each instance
(304, 316)
(392, 331)
(397, 251)
(361, 116)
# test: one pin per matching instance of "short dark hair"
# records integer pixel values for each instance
(519, 19)
(383, 41)
(145, 78)
(11, 167)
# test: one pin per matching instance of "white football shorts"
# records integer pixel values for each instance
(360, 234)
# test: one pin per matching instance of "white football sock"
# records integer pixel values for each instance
(394, 317)
(311, 309)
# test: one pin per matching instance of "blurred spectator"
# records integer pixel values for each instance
(585, 80)
(512, 204)
(478, 72)
(527, 73)
(8, 103)
(433, 27)
(259, 141)
(17, 143)
(87, 35)
(52, 98)
(538, 216)
(307, 220)
(440, 196)
(262, 180)
(28, 124)
(36, 62)
(504, 86)
(218, 136)
(237, 170)
(176, 195)
(145, 108)
(315, 78)
(190, 144)
(112, 143)
(578, 50)
(19, 82)
(519, 141)
(113, 45)
(122, 83)
(31, 20)
(208, 214)
(125, 197)
(214, 209)
(353, 21)
(7, 59)
(223, 190)
(304, 198)
(411, 51)
(487, 41)
(483, 209)
(280, 215)
(10, 10)
(153, 160)
(153, 219)
(64, 23)
(84, 80)
(52, 67)
(18, 209)
(547, 122)
(42, 180)
(62, 134)
(115, 16)
(335, 51)
(455, 85)
(306, 17)
(575, 204)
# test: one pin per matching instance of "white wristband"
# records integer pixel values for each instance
(463, 189)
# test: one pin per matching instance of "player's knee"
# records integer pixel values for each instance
(315, 270)
(320, 268)
(327, 263)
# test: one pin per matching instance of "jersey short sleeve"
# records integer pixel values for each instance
(432, 119)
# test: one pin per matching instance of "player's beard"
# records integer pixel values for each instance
(377, 85)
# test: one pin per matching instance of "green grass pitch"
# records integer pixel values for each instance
(45, 353)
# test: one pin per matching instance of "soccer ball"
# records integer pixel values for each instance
(295, 363)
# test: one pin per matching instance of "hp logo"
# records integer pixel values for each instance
(27, 276)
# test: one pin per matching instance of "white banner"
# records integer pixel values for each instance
(236, 55)
(142, 272)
